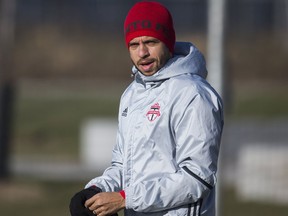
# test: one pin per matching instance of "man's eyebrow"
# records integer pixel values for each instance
(133, 42)
(151, 40)
(155, 40)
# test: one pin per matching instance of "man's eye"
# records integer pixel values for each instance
(151, 43)
(133, 45)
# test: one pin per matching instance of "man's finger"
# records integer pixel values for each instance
(89, 202)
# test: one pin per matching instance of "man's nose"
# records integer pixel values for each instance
(143, 51)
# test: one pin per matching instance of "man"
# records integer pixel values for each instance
(170, 125)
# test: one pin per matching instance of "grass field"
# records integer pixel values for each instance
(47, 121)
(31, 197)
(48, 118)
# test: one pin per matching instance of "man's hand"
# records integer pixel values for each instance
(77, 207)
(106, 203)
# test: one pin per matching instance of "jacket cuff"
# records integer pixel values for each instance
(122, 193)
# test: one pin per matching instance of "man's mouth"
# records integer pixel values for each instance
(146, 65)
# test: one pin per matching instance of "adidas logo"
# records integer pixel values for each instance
(125, 112)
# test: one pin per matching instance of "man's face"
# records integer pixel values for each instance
(148, 54)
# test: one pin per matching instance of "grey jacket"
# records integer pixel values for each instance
(168, 140)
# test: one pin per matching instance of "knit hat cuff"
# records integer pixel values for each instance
(150, 33)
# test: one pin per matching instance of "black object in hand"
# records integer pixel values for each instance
(77, 207)
(77, 202)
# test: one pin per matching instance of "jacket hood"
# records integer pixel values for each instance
(187, 59)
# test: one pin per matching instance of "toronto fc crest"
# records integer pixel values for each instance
(154, 112)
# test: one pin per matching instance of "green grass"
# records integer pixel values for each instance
(259, 100)
(232, 206)
(264, 106)
(30, 197)
(52, 126)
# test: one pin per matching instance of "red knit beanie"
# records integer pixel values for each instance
(150, 19)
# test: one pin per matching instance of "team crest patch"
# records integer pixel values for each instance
(154, 112)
